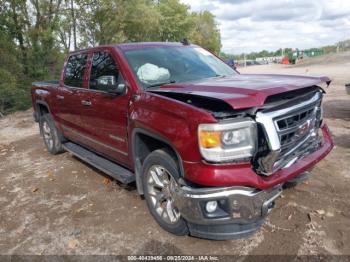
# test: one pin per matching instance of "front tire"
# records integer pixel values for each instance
(160, 175)
(50, 134)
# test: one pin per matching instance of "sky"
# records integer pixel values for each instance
(255, 25)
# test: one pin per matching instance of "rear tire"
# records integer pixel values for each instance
(50, 134)
(160, 176)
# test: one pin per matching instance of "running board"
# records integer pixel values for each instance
(110, 168)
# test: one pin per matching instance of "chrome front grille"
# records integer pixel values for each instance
(295, 127)
(290, 132)
(294, 119)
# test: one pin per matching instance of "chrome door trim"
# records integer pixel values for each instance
(118, 138)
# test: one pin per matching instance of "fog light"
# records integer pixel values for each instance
(211, 206)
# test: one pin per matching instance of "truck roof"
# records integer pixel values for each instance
(137, 45)
(129, 46)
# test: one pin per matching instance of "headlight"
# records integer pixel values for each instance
(227, 141)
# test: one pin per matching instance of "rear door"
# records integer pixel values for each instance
(69, 95)
(105, 115)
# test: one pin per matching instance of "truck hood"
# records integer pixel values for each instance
(244, 90)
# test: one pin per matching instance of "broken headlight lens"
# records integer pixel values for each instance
(227, 141)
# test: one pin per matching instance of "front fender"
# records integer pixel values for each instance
(174, 121)
(171, 122)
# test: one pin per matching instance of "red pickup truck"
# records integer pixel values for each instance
(209, 149)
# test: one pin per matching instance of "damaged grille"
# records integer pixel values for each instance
(293, 128)
(291, 132)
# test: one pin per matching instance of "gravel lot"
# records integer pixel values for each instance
(60, 205)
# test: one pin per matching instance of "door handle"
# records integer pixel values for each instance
(86, 103)
(59, 97)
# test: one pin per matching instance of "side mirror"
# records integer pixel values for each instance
(106, 81)
(109, 84)
(118, 90)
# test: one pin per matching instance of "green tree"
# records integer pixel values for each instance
(13, 89)
(175, 20)
(100, 22)
(28, 48)
(205, 31)
(141, 21)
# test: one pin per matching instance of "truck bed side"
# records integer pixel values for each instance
(43, 94)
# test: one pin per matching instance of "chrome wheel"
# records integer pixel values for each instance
(161, 186)
(47, 135)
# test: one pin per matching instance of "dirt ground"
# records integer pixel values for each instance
(60, 205)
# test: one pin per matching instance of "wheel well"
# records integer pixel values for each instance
(144, 144)
(42, 109)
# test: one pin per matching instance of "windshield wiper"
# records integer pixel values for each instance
(160, 84)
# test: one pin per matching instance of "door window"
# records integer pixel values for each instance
(75, 69)
(104, 72)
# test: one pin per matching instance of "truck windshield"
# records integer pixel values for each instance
(156, 66)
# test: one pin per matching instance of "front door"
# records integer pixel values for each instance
(104, 115)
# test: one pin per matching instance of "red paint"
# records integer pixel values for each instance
(175, 121)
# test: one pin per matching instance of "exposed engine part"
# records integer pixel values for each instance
(218, 108)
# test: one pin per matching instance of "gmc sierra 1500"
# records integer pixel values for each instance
(209, 148)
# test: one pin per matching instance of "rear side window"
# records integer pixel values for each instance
(75, 70)
(103, 69)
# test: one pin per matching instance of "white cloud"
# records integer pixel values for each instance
(254, 25)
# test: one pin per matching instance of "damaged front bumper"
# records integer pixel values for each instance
(240, 211)
(244, 174)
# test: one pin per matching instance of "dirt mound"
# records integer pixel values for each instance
(339, 58)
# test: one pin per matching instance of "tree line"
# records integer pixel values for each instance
(35, 35)
(263, 53)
